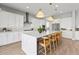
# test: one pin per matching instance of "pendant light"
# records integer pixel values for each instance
(40, 14)
(50, 18)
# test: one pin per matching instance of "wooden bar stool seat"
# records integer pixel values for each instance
(46, 43)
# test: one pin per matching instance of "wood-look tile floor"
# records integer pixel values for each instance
(11, 49)
(68, 47)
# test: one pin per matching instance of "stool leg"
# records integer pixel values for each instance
(50, 48)
(45, 50)
(54, 45)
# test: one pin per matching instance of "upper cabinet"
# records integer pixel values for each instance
(11, 20)
(19, 21)
(3, 18)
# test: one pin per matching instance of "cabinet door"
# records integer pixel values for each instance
(67, 34)
(7, 19)
(19, 21)
(3, 39)
(77, 35)
(11, 22)
(19, 36)
(21, 18)
(4, 19)
(15, 37)
(12, 37)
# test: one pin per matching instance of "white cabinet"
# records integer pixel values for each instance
(4, 16)
(8, 37)
(19, 36)
(12, 37)
(3, 39)
(12, 20)
(19, 21)
(67, 34)
(77, 35)
(15, 37)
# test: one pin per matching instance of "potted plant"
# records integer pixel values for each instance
(40, 29)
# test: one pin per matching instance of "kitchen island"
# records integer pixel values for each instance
(29, 41)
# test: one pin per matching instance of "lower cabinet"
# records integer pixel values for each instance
(67, 34)
(12, 37)
(8, 37)
(3, 39)
(76, 35)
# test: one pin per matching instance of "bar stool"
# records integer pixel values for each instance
(54, 41)
(50, 38)
(58, 37)
(45, 43)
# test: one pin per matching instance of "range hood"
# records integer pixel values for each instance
(27, 19)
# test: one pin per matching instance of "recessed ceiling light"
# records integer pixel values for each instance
(27, 7)
(61, 12)
(56, 6)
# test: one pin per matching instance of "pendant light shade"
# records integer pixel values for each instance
(50, 18)
(40, 14)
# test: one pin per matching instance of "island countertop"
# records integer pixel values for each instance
(37, 34)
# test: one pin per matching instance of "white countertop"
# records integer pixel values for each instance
(37, 34)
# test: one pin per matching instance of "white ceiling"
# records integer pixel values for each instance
(48, 10)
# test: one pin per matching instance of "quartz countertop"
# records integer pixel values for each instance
(11, 31)
(37, 34)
